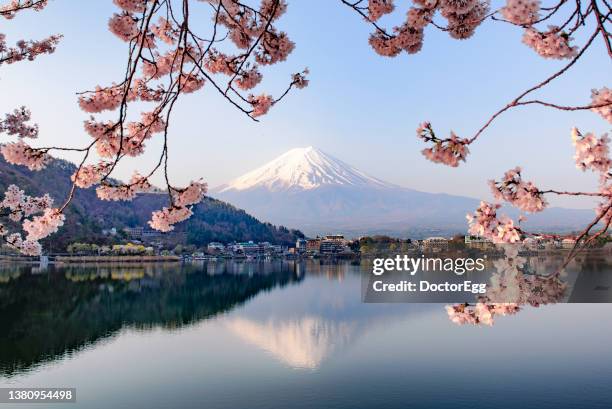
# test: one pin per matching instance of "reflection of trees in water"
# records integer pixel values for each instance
(44, 316)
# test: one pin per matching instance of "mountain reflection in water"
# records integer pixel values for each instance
(300, 313)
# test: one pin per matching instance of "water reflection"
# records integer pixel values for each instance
(44, 316)
(300, 313)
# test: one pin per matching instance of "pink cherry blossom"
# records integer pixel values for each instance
(446, 151)
(485, 223)
(248, 79)
(9, 10)
(299, 80)
(522, 12)
(127, 192)
(124, 26)
(192, 194)
(165, 31)
(190, 83)
(20, 153)
(133, 6)
(26, 247)
(261, 104)
(591, 152)
(550, 44)
(419, 18)
(378, 8)
(165, 219)
(457, 6)
(102, 99)
(15, 124)
(90, 175)
(513, 189)
(275, 47)
(26, 50)
(42, 226)
(464, 17)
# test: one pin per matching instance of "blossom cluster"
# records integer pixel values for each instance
(463, 17)
(484, 222)
(20, 207)
(192, 194)
(15, 124)
(20, 153)
(550, 44)
(125, 192)
(448, 151)
(26, 50)
(522, 12)
(513, 189)
(165, 219)
(9, 10)
(592, 153)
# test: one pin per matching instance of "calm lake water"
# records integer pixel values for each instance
(284, 335)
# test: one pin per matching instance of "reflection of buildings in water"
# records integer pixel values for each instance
(300, 343)
(332, 269)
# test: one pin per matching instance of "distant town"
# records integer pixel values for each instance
(140, 244)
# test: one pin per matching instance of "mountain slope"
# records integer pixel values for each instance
(319, 194)
(87, 216)
(303, 169)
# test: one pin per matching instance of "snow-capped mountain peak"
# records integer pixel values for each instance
(303, 169)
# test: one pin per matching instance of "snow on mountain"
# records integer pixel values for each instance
(308, 189)
(303, 169)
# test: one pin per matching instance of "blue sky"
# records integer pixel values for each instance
(359, 107)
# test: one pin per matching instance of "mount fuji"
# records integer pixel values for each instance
(311, 190)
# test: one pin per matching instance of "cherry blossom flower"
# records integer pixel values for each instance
(165, 219)
(513, 189)
(20, 153)
(164, 30)
(419, 17)
(124, 26)
(248, 79)
(591, 152)
(89, 175)
(127, 192)
(15, 124)
(192, 194)
(447, 151)
(485, 223)
(463, 21)
(21, 205)
(274, 47)
(102, 99)
(384, 45)
(522, 12)
(299, 80)
(457, 6)
(9, 10)
(26, 247)
(261, 104)
(550, 44)
(600, 97)
(133, 6)
(42, 226)
(378, 8)
(26, 50)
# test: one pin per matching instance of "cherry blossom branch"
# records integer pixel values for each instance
(541, 84)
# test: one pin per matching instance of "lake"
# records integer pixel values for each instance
(284, 334)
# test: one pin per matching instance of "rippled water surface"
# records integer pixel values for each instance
(284, 335)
